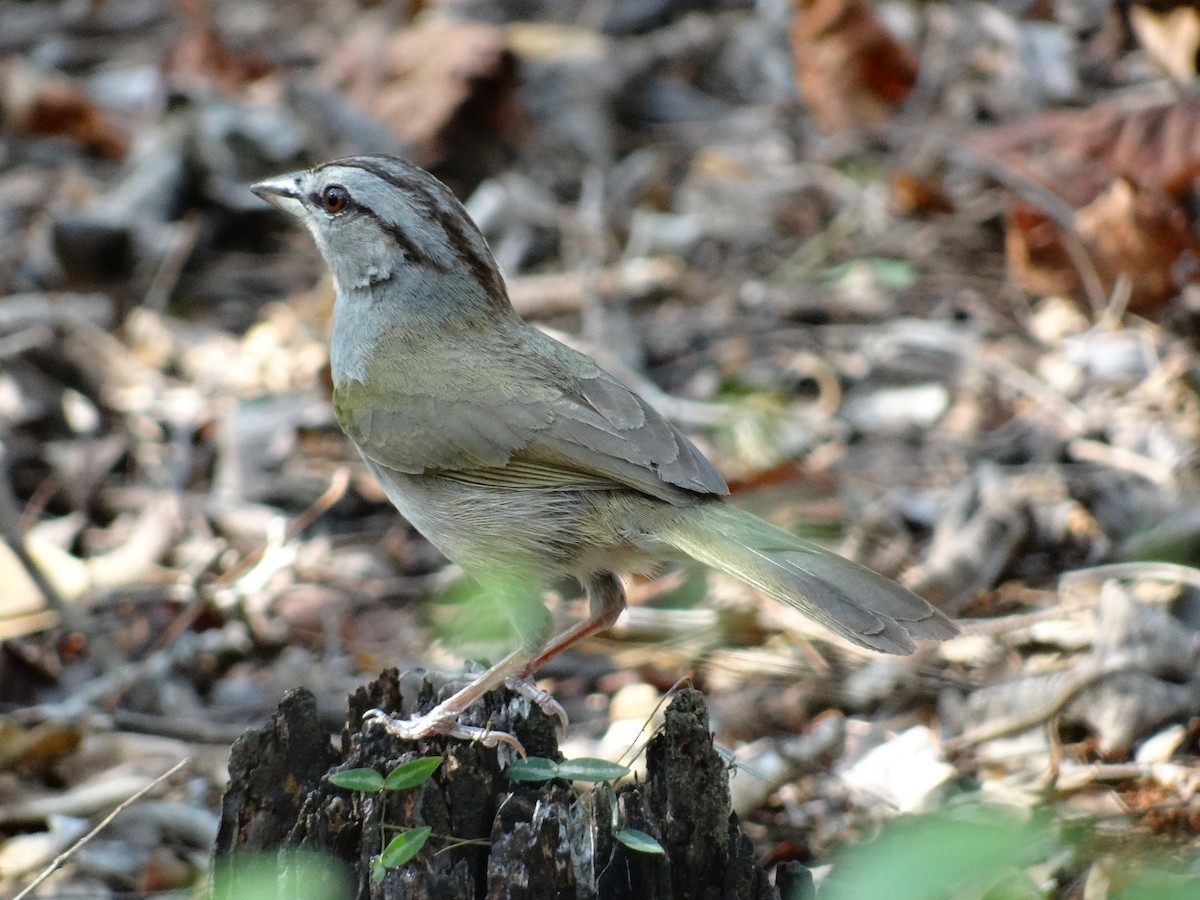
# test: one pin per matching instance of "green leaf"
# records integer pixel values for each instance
(304, 876)
(931, 855)
(411, 773)
(404, 846)
(639, 841)
(358, 779)
(378, 871)
(1158, 878)
(588, 769)
(535, 768)
(897, 274)
(865, 272)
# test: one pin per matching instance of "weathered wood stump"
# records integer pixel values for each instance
(529, 841)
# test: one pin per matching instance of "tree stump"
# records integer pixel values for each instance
(528, 841)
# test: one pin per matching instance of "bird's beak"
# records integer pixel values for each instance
(282, 192)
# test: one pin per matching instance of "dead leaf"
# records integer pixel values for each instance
(1037, 255)
(1130, 176)
(201, 59)
(1078, 152)
(1128, 230)
(1143, 234)
(166, 870)
(430, 82)
(850, 69)
(39, 744)
(915, 196)
(39, 103)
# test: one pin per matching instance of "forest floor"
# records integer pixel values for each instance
(919, 278)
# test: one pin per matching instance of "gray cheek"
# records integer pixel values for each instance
(356, 263)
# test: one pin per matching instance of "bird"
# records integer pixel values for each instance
(521, 459)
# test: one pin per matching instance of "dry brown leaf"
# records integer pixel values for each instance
(1130, 176)
(850, 69)
(165, 871)
(430, 81)
(1036, 254)
(200, 58)
(1144, 234)
(1127, 230)
(915, 196)
(38, 103)
(40, 744)
(1078, 152)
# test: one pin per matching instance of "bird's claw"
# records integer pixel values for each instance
(525, 686)
(435, 723)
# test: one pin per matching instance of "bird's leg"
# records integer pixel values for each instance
(607, 599)
(515, 671)
(443, 718)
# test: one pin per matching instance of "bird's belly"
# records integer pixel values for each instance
(493, 530)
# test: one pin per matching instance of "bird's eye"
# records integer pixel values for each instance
(335, 198)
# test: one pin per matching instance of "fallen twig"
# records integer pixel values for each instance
(101, 825)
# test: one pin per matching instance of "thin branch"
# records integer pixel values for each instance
(103, 823)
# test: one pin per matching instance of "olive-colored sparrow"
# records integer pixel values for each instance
(519, 458)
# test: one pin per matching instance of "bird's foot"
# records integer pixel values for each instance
(525, 686)
(439, 721)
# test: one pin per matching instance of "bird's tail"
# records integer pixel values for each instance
(845, 597)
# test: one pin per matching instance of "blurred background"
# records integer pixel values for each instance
(919, 277)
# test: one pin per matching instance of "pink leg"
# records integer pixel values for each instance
(443, 718)
(607, 598)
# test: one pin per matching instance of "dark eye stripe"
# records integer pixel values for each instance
(483, 269)
(435, 209)
(435, 203)
(407, 246)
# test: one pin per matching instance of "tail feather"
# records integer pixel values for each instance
(845, 597)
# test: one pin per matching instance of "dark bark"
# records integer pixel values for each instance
(533, 841)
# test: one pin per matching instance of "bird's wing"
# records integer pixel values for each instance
(602, 428)
(553, 421)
